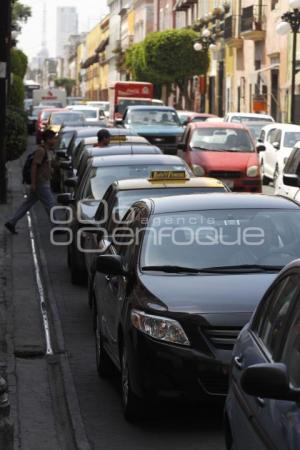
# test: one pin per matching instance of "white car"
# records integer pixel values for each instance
(247, 117)
(91, 113)
(291, 168)
(275, 144)
(102, 105)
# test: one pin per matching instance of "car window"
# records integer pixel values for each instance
(272, 135)
(291, 138)
(274, 317)
(293, 162)
(216, 139)
(291, 351)
(262, 136)
(277, 137)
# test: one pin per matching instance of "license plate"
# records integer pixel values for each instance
(229, 183)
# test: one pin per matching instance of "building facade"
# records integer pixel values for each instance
(66, 25)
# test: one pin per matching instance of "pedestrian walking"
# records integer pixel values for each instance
(40, 176)
(103, 138)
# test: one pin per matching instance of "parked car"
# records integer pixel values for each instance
(100, 172)
(262, 407)
(247, 117)
(222, 150)
(91, 113)
(287, 183)
(186, 117)
(61, 118)
(178, 281)
(275, 145)
(102, 105)
(160, 125)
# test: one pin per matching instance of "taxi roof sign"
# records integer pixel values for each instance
(160, 175)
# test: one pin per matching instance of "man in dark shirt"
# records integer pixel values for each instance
(40, 188)
(103, 138)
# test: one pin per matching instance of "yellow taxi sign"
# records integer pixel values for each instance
(118, 138)
(160, 175)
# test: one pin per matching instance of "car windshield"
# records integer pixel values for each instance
(45, 115)
(35, 111)
(125, 102)
(158, 117)
(88, 113)
(222, 238)
(291, 138)
(65, 139)
(126, 198)
(239, 119)
(221, 139)
(102, 177)
(58, 119)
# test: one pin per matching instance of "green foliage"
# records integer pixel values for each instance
(16, 133)
(18, 62)
(166, 57)
(67, 83)
(20, 14)
(17, 93)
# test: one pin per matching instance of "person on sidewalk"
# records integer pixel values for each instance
(103, 138)
(40, 189)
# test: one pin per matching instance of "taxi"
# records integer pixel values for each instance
(59, 119)
(123, 193)
(179, 279)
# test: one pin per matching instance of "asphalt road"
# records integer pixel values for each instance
(175, 427)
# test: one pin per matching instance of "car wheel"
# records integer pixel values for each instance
(131, 403)
(103, 362)
(265, 180)
(78, 272)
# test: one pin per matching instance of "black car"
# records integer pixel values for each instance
(263, 404)
(99, 174)
(179, 279)
(90, 152)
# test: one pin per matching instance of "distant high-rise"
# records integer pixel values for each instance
(67, 24)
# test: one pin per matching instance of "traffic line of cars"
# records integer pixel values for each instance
(176, 266)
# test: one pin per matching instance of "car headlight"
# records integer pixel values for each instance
(252, 171)
(198, 170)
(162, 328)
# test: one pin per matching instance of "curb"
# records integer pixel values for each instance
(80, 436)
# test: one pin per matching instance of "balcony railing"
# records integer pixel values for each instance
(253, 18)
(232, 25)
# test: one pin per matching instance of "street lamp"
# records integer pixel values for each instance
(291, 21)
(206, 42)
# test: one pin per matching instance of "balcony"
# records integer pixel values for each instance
(184, 5)
(232, 32)
(253, 22)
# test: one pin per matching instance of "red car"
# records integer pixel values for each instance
(42, 121)
(187, 117)
(222, 150)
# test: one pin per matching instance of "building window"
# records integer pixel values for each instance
(273, 4)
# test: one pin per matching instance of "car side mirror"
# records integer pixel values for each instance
(65, 199)
(110, 265)
(65, 165)
(181, 146)
(291, 179)
(261, 148)
(276, 145)
(62, 153)
(71, 182)
(268, 381)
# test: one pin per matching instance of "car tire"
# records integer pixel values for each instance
(78, 272)
(132, 405)
(264, 179)
(103, 362)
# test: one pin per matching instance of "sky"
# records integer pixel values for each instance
(89, 13)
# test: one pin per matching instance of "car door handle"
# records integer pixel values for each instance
(260, 401)
(238, 361)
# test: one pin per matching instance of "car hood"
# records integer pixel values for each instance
(157, 130)
(224, 160)
(87, 209)
(204, 293)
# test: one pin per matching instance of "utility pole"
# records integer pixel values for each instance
(5, 30)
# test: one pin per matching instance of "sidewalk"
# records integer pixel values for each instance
(40, 415)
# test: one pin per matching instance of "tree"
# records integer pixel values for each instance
(18, 62)
(167, 57)
(20, 14)
(67, 83)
